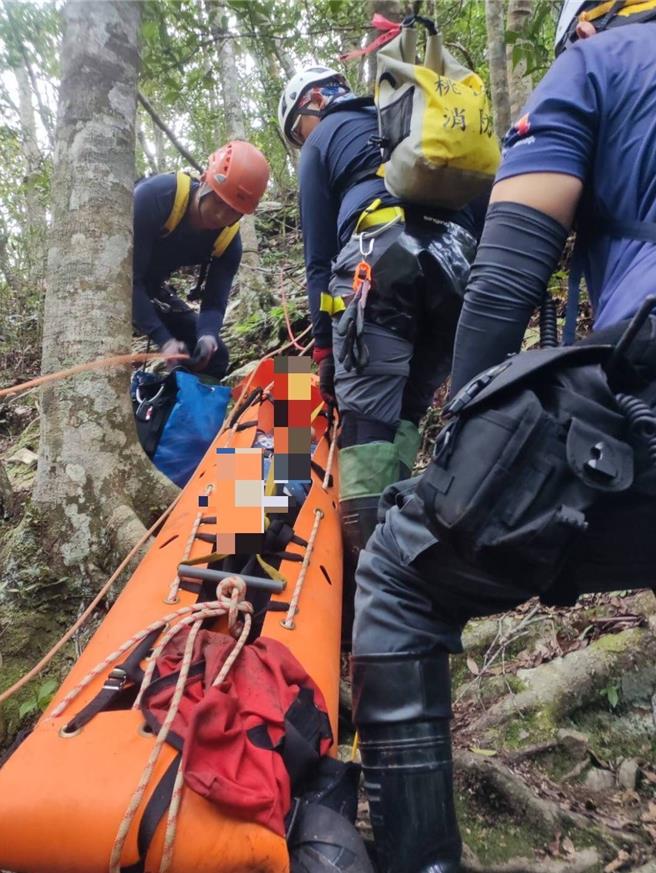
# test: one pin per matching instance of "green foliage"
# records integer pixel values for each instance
(534, 45)
(41, 697)
(612, 694)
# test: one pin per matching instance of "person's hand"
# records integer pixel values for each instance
(327, 379)
(171, 348)
(205, 348)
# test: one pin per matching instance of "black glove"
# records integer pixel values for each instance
(327, 379)
(174, 347)
(205, 348)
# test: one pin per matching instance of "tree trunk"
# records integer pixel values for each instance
(519, 84)
(252, 288)
(92, 474)
(496, 53)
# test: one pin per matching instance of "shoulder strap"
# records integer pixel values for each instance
(182, 190)
(224, 239)
(643, 231)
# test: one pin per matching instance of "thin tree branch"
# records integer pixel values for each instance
(463, 51)
(167, 130)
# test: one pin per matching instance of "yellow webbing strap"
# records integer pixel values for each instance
(270, 485)
(631, 7)
(316, 412)
(271, 571)
(182, 189)
(180, 204)
(373, 206)
(331, 305)
(224, 239)
(374, 215)
(205, 559)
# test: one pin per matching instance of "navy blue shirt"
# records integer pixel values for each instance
(156, 257)
(593, 116)
(337, 150)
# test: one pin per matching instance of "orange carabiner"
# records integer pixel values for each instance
(361, 276)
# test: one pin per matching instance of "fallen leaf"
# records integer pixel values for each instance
(473, 666)
(486, 753)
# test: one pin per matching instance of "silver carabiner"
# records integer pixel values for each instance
(361, 241)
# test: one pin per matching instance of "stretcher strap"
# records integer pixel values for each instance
(159, 802)
(114, 684)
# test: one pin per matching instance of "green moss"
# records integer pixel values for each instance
(615, 735)
(526, 729)
(491, 829)
(615, 643)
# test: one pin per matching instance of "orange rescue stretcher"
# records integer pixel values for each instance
(63, 795)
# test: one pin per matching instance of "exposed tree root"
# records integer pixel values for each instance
(567, 684)
(125, 528)
(586, 860)
(151, 492)
(544, 815)
(512, 790)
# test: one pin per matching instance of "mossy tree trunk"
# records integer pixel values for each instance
(93, 479)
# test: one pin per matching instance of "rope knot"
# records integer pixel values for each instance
(231, 593)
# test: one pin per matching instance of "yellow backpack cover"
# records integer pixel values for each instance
(435, 125)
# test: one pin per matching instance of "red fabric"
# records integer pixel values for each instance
(319, 354)
(219, 761)
(379, 22)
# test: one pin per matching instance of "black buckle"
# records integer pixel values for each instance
(116, 680)
(601, 461)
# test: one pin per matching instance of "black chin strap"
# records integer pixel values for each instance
(316, 113)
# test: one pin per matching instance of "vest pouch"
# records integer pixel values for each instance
(474, 461)
(509, 487)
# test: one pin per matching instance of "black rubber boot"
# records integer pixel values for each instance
(358, 518)
(405, 746)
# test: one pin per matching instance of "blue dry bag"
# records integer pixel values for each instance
(177, 418)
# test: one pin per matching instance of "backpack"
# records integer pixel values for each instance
(530, 446)
(435, 126)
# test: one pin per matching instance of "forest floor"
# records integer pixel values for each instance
(555, 738)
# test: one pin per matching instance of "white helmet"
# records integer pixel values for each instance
(568, 13)
(297, 86)
(602, 15)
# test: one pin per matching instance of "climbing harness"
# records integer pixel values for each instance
(354, 353)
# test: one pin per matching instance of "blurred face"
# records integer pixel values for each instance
(307, 123)
(214, 213)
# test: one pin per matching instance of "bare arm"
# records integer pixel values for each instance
(554, 194)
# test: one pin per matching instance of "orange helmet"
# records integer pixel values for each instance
(238, 173)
